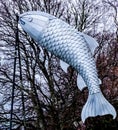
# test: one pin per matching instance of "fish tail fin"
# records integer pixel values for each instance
(97, 105)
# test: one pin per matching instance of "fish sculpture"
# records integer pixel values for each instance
(72, 48)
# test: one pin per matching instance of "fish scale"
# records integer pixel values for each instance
(57, 39)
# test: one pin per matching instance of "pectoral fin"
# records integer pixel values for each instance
(64, 65)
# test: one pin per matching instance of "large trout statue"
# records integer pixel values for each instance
(73, 48)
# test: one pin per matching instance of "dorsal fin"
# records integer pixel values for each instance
(93, 44)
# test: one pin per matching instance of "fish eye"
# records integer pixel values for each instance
(30, 19)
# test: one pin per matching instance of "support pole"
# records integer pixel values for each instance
(14, 76)
(21, 84)
(17, 54)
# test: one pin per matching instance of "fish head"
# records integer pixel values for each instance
(34, 23)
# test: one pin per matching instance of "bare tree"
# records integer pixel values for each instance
(51, 97)
(32, 65)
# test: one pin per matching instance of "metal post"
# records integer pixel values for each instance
(21, 84)
(14, 77)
